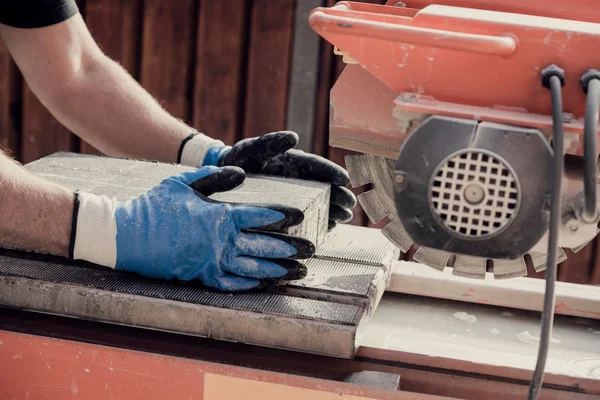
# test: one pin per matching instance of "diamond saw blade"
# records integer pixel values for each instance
(378, 204)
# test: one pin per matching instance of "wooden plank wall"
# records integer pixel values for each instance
(222, 66)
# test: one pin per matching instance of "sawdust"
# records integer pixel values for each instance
(527, 337)
(463, 316)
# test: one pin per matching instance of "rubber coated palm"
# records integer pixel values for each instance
(176, 232)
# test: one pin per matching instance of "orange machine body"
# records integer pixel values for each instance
(458, 61)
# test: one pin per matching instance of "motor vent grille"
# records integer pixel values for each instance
(474, 194)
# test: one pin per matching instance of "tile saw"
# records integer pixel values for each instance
(458, 148)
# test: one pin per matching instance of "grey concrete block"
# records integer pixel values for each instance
(126, 179)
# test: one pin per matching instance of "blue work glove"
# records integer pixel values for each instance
(174, 231)
(274, 154)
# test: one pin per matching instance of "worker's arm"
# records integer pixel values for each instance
(91, 94)
(35, 214)
(99, 101)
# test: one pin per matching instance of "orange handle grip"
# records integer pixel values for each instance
(324, 22)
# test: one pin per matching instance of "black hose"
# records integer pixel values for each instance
(590, 129)
(551, 262)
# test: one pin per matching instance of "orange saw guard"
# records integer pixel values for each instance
(463, 62)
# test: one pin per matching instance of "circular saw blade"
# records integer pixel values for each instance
(378, 204)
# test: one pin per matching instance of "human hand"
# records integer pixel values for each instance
(274, 154)
(174, 231)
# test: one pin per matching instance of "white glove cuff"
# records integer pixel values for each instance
(194, 148)
(94, 237)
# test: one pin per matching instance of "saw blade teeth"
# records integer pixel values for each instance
(374, 205)
(358, 170)
(504, 269)
(539, 259)
(561, 256)
(469, 266)
(580, 247)
(436, 259)
(378, 204)
(395, 233)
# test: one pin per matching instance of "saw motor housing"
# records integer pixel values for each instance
(446, 103)
(474, 188)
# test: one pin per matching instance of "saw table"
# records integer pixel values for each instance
(319, 314)
(361, 325)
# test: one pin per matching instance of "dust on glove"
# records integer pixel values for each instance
(175, 231)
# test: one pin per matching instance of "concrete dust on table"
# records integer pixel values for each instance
(428, 327)
(360, 245)
(310, 197)
(463, 316)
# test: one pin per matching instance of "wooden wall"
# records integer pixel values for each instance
(222, 66)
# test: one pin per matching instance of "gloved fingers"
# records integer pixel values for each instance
(258, 268)
(339, 214)
(331, 224)
(189, 177)
(220, 179)
(266, 217)
(343, 197)
(301, 165)
(252, 153)
(232, 283)
(273, 245)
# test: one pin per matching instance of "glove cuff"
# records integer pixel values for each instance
(198, 149)
(94, 232)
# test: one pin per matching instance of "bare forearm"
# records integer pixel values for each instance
(92, 95)
(35, 214)
(106, 107)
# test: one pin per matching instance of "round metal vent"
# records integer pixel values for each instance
(474, 194)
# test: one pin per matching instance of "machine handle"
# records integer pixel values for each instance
(322, 21)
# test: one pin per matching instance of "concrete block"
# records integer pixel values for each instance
(126, 179)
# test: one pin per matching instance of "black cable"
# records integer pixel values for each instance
(590, 129)
(551, 262)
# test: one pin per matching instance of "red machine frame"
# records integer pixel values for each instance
(54, 361)
(462, 64)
